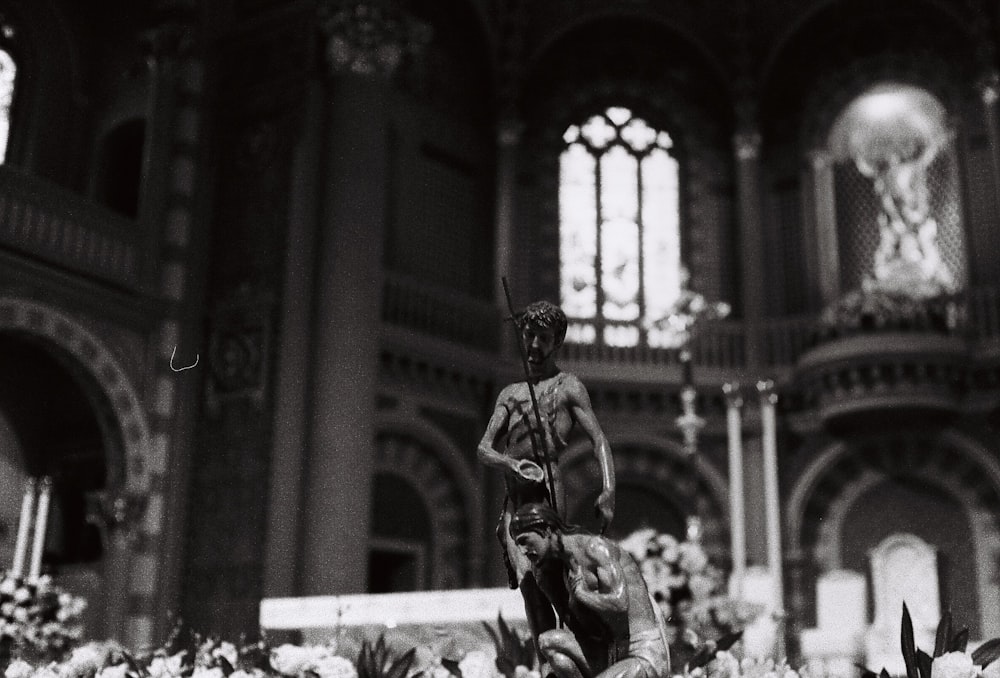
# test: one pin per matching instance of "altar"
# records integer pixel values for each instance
(410, 619)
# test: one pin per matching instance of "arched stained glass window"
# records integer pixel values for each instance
(619, 230)
(8, 70)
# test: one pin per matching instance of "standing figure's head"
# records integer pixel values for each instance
(543, 329)
(536, 529)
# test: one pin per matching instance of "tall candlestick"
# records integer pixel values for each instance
(769, 441)
(41, 519)
(23, 528)
(737, 505)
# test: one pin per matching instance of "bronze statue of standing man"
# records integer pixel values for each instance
(526, 435)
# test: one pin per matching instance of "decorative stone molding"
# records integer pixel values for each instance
(857, 375)
(368, 38)
(406, 458)
(989, 88)
(239, 349)
(747, 145)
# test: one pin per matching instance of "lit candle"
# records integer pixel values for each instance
(23, 528)
(737, 506)
(769, 441)
(41, 518)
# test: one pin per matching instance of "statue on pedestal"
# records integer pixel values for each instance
(526, 434)
(612, 626)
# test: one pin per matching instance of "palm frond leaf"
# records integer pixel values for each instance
(908, 646)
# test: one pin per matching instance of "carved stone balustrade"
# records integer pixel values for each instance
(872, 372)
(67, 230)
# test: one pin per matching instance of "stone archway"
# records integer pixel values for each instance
(672, 478)
(131, 470)
(427, 463)
(947, 463)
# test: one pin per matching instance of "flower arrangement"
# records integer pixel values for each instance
(873, 309)
(189, 655)
(690, 592)
(38, 620)
(949, 659)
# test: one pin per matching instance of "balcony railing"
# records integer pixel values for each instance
(723, 344)
(59, 227)
(439, 312)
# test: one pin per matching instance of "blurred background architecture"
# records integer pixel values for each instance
(251, 313)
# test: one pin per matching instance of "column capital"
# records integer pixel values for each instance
(989, 87)
(819, 159)
(767, 392)
(368, 37)
(167, 41)
(747, 144)
(733, 393)
(509, 131)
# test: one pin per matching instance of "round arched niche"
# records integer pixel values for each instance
(420, 485)
(658, 486)
(56, 423)
(896, 191)
(934, 483)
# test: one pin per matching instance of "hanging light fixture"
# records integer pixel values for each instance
(680, 324)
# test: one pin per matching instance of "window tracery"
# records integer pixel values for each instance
(619, 216)
(8, 74)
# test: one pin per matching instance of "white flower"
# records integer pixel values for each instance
(22, 594)
(657, 575)
(953, 665)
(208, 672)
(83, 660)
(669, 548)
(639, 542)
(725, 665)
(477, 664)
(46, 672)
(166, 667)
(333, 666)
(991, 670)
(8, 586)
(692, 558)
(228, 652)
(18, 669)
(522, 671)
(117, 671)
(701, 586)
(292, 660)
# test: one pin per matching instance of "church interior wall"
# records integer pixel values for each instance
(231, 214)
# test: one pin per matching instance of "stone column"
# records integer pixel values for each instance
(824, 252)
(772, 499)
(795, 565)
(364, 44)
(508, 137)
(989, 91)
(746, 145)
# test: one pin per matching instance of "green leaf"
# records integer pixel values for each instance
(728, 640)
(401, 666)
(452, 665)
(959, 641)
(908, 646)
(924, 664)
(986, 653)
(943, 634)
